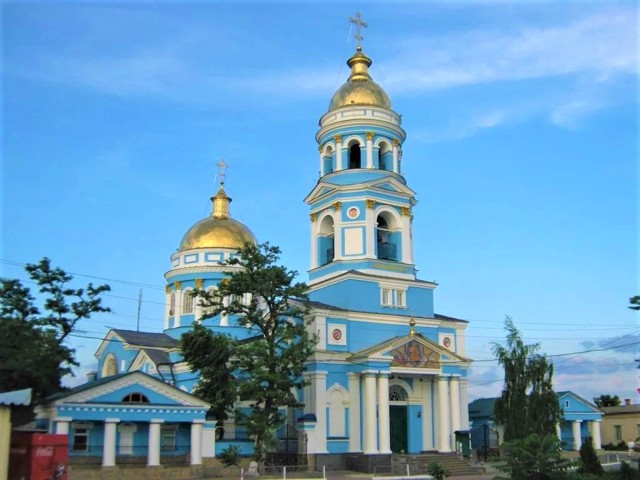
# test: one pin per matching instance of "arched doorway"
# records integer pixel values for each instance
(398, 419)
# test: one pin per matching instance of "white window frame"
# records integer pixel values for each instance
(401, 295)
(386, 297)
(168, 437)
(188, 302)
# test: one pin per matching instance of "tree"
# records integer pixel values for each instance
(33, 353)
(635, 302)
(528, 403)
(533, 458)
(589, 459)
(607, 401)
(262, 297)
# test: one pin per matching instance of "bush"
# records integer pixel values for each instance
(533, 458)
(627, 473)
(230, 456)
(590, 462)
(437, 471)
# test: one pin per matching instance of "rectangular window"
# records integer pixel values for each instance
(618, 432)
(386, 296)
(81, 439)
(168, 438)
(400, 298)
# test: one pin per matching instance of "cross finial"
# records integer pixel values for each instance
(222, 171)
(359, 24)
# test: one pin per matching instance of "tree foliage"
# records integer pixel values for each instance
(589, 459)
(528, 403)
(262, 297)
(634, 302)
(534, 457)
(607, 401)
(33, 353)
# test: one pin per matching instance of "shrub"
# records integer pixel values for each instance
(437, 471)
(230, 456)
(590, 462)
(533, 458)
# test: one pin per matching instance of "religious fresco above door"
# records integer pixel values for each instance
(416, 355)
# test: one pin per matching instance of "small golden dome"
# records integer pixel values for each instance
(360, 89)
(218, 230)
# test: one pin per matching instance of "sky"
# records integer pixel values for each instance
(522, 146)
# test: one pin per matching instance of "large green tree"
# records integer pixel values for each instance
(634, 302)
(528, 403)
(262, 297)
(33, 349)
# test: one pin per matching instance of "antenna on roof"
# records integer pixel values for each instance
(139, 307)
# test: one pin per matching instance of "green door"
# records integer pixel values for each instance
(398, 428)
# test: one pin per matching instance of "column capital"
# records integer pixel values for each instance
(576, 421)
(198, 421)
(167, 289)
(111, 420)
(178, 285)
(338, 138)
(396, 142)
(320, 148)
(63, 419)
(370, 135)
(199, 283)
(370, 203)
(313, 216)
(156, 420)
(353, 375)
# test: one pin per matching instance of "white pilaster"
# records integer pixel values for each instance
(338, 140)
(319, 394)
(444, 431)
(109, 443)
(153, 455)
(322, 172)
(370, 230)
(179, 306)
(384, 436)
(167, 306)
(196, 442)
(370, 447)
(595, 434)
(454, 393)
(369, 150)
(354, 412)
(464, 401)
(577, 438)
(314, 241)
(407, 256)
(395, 156)
(62, 425)
(427, 417)
(337, 235)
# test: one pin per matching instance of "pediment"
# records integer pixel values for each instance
(415, 354)
(392, 185)
(319, 191)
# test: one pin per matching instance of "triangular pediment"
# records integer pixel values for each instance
(112, 390)
(319, 191)
(392, 185)
(415, 354)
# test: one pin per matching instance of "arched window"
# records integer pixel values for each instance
(337, 413)
(354, 156)
(135, 398)
(327, 161)
(398, 394)
(110, 366)
(189, 302)
(385, 157)
(326, 242)
(387, 248)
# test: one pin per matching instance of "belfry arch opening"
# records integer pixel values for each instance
(385, 157)
(387, 237)
(326, 241)
(328, 161)
(355, 156)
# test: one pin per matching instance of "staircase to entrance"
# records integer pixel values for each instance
(418, 464)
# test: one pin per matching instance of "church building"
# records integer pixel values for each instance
(388, 375)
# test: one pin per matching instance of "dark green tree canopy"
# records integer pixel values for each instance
(33, 353)
(266, 369)
(634, 302)
(528, 403)
(607, 401)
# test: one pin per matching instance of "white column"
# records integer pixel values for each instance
(197, 311)
(407, 251)
(595, 434)
(178, 312)
(224, 317)
(109, 448)
(354, 412)
(321, 160)
(196, 442)
(338, 140)
(370, 149)
(337, 234)
(370, 229)
(454, 392)
(153, 455)
(444, 432)
(559, 431)
(577, 438)
(395, 155)
(370, 447)
(314, 240)
(427, 417)
(464, 401)
(384, 436)
(62, 425)
(319, 389)
(167, 306)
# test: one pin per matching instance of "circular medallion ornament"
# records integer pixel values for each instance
(353, 212)
(336, 334)
(446, 341)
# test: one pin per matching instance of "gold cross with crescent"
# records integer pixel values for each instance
(359, 24)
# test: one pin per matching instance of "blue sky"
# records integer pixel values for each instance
(522, 137)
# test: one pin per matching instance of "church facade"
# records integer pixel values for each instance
(388, 375)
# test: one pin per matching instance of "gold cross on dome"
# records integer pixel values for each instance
(359, 24)
(222, 171)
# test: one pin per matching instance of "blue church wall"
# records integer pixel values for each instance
(420, 300)
(359, 176)
(327, 165)
(414, 413)
(116, 347)
(93, 413)
(346, 197)
(342, 266)
(247, 447)
(360, 131)
(359, 204)
(386, 161)
(338, 445)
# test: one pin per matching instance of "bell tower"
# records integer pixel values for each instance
(361, 207)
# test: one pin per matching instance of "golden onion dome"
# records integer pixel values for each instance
(218, 230)
(360, 89)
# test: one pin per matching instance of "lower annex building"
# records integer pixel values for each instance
(388, 374)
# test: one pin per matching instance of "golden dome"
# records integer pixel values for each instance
(218, 230)
(360, 89)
